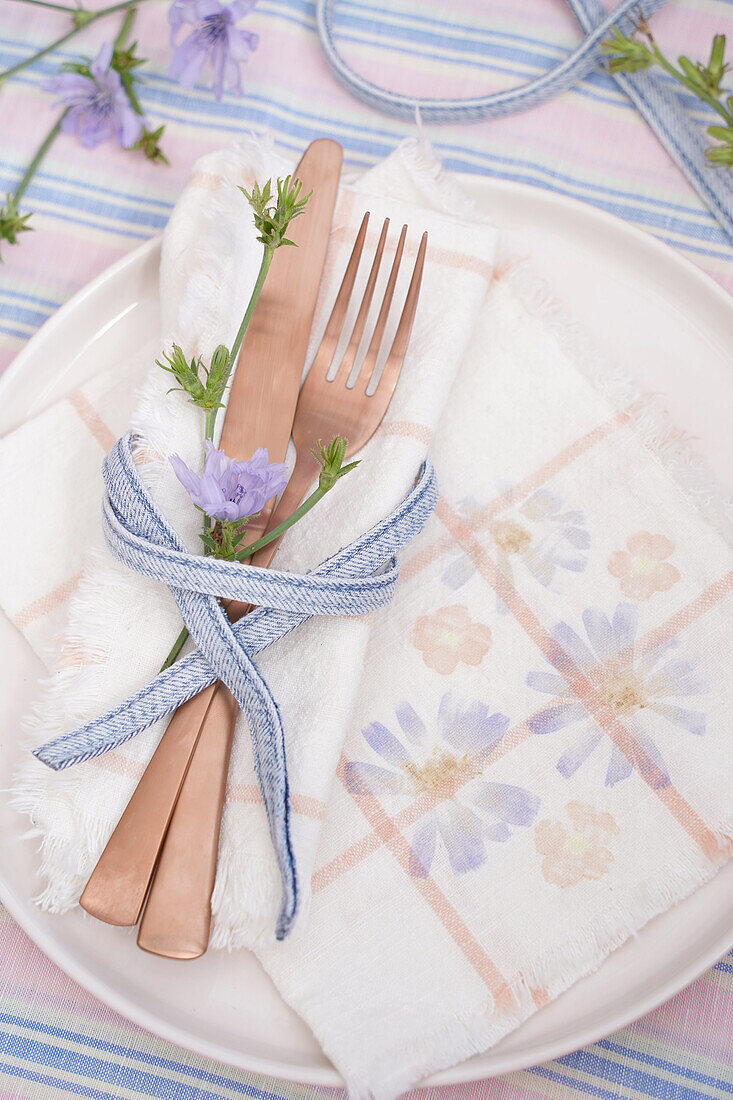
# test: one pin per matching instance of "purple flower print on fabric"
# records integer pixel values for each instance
(634, 685)
(539, 535)
(417, 762)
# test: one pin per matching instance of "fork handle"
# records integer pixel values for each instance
(177, 915)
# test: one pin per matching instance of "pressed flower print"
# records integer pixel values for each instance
(450, 636)
(642, 568)
(632, 685)
(575, 849)
(538, 535)
(467, 810)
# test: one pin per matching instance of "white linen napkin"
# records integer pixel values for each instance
(503, 775)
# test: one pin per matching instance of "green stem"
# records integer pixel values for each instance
(48, 4)
(308, 503)
(210, 424)
(41, 53)
(264, 268)
(175, 649)
(43, 149)
(124, 29)
(679, 76)
(267, 255)
(93, 17)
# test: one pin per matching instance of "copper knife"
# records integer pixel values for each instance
(260, 413)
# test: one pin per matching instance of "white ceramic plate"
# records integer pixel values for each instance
(658, 316)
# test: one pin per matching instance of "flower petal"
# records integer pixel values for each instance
(650, 762)
(362, 778)
(100, 66)
(422, 849)
(577, 537)
(458, 572)
(556, 718)
(619, 767)
(600, 634)
(572, 646)
(573, 565)
(625, 624)
(514, 805)
(550, 683)
(587, 740)
(240, 8)
(187, 61)
(130, 128)
(411, 724)
(460, 831)
(188, 479)
(386, 744)
(676, 677)
(470, 727)
(693, 721)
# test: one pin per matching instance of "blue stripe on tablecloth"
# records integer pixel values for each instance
(621, 1073)
(284, 117)
(140, 1055)
(662, 1063)
(23, 314)
(57, 1082)
(116, 1073)
(533, 62)
(578, 1086)
(8, 291)
(301, 126)
(17, 334)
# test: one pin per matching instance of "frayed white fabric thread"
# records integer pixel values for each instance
(580, 955)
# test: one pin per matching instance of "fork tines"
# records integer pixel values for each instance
(334, 328)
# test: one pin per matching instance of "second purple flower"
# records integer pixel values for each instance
(215, 39)
(97, 105)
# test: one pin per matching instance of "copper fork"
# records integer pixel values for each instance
(177, 915)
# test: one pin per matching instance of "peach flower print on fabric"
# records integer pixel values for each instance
(642, 568)
(450, 636)
(575, 849)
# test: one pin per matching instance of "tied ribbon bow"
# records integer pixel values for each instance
(359, 578)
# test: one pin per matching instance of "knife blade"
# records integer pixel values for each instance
(260, 412)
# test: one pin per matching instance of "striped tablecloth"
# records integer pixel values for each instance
(90, 208)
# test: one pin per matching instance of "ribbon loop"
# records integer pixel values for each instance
(656, 100)
(359, 578)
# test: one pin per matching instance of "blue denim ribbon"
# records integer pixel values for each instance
(359, 578)
(653, 95)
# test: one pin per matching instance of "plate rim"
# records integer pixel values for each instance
(328, 1076)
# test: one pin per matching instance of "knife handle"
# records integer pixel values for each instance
(118, 884)
(177, 916)
(172, 926)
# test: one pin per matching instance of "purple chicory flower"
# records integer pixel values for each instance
(214, 38)
(229, 490)
(98, 107)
